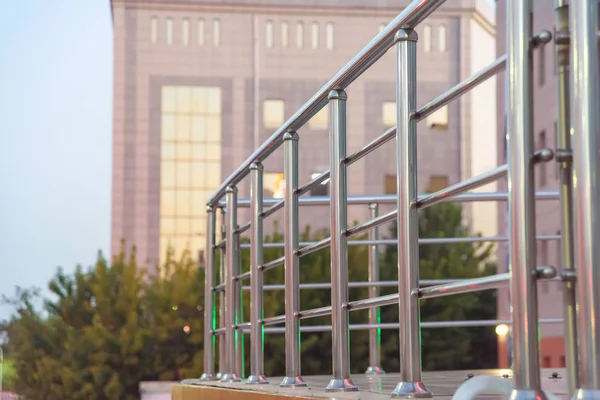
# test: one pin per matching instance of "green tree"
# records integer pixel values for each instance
(107, 329)
(447, 348)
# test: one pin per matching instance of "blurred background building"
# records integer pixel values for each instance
(199, 84)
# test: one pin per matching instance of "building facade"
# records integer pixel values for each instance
(199, 84)
(550, 298)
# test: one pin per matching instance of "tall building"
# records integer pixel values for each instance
(546, 178)
(199, 84)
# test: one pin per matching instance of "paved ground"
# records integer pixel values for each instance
(442, 384)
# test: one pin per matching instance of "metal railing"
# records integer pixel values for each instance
(577, 94)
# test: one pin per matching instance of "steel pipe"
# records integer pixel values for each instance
(464, 286)
(585, 128)
(391, 199)
(521, 203)
(210, 310)
(374, 367)
(256, 278)
(292, 264)
(410, 384)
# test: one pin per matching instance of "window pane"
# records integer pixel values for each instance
(438, 119)
(389, 114)
(329, 34)
(427, 38)
(167, 174)
(214, 100)
(197, 243)
(167, 202)
(182, 202)
(198, 226)
(153, 30)
(199, 202)
(201, 38)
(213, 175)
(273, 113)
(168, 127)
(300, 35)
(315, 35)
(198, 129)
(186, 32)
(216, 32)
(183, 128)
(183, 178)
(167, 226)
(184, 151)
(169, 31)
(199, 100)
(213, 129)
(198, 151)
(269, 34)
(285, 34)
(184, 99)
(213, 151)
(163, 248)
(182, 226)
(390, 184)
(167, 151)
(442, 37)
(168, 99)
(437, 182)
(198, 175)
(320, 120)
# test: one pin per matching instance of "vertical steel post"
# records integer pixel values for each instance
(563, 143)
(339, 245)
(231, 272)
(222, 355)
(209, 301)
(521, 203)
(292, 263)
(239, 312)
(374, 312)
(585, 128)
(410, 385)
(256, 276)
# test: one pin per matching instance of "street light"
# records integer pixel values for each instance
(502, 330)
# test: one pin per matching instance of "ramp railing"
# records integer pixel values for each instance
(576, 44)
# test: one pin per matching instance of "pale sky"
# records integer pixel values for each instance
(55, 138)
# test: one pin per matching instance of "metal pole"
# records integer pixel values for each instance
(410, 385)
(239, 312)
(222, 356)
(585, 128)
(256, 277)
(521, 203)
(563, 142)
(292, 263)
(374, 313)
(231, 270)
(209, 299)
(339, 245)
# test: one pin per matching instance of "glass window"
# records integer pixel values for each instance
(274, 185)
(427, 38)
(300, 35)
(438, 119)
(186, 32)
(269, 34)
(273, 113)
(169, 31)
(153, 30)
(389, 114)
(437, 182)
(216, 32)
(190, 161)
(285, 34)
(390, 184)
(442, 37)
(201, 38)
(329, 35)
(320, 120)
(199, 225)
(315, 35)
(321, 189)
